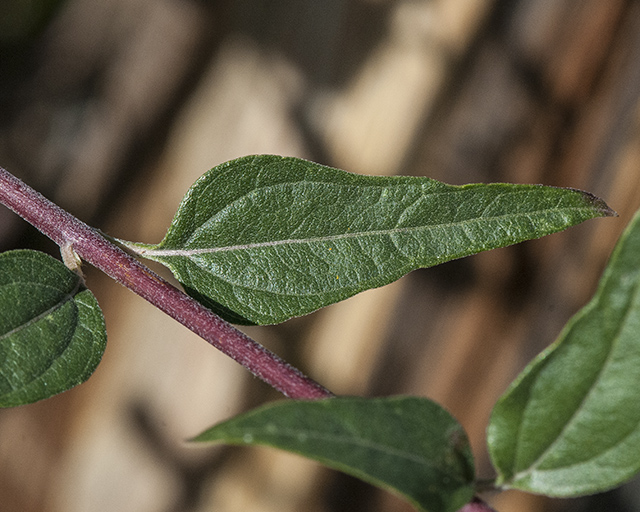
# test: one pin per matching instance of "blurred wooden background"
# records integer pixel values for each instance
(114, 107)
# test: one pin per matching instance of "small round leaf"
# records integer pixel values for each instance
(52, 332)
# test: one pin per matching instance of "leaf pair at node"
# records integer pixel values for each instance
(262, 239)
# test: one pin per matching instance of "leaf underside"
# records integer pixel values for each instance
(570, 424)
(408, 445)
(264, 238)
(52, 333)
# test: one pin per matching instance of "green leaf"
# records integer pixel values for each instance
(264, 238)
(408, 445)
(52, 333)
(570, 424)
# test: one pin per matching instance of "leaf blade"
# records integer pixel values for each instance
(570, 425)
(262, 239)
(52, 333)
(408, 445)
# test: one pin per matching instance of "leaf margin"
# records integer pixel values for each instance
(455, 436)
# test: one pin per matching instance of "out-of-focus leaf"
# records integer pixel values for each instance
(570, 424)
(408, 445)
(52, 333)
(262, 239)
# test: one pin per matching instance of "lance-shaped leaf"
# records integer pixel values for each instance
(570, 424)
(262, 239)
(408, 445)
(52, 333)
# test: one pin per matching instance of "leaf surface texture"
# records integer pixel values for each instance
(265, 238)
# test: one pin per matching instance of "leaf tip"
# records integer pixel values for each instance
(599, 205)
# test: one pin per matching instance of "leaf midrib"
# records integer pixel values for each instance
(534, 466)
(385, 449)
(274, 243)
(66, 298)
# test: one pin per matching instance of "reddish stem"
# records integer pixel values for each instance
(476, 505)
(64, 229)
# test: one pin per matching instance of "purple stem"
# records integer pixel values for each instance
(65, 229)
(476, 505)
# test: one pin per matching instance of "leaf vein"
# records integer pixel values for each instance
(329, 238)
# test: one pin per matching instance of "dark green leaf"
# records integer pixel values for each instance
(408, 445)
(570, 424)
(262, 239)
(52, 333)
